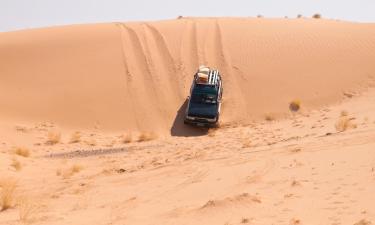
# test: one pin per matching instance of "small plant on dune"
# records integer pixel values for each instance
(246, 143)
(344, 113)
(295, 221)
(8, 188)
(91, 142)
(146, 136)
(16, 164)
(126, 138)
(299, 16)
(344, 123)
(245, 220)
(27, 209)
(76, 137)
(71, 171)
(363, 222)
(269, 117)
(53, 137)
(317, 16)
(21, 151)
(259, 16)
(295, 105)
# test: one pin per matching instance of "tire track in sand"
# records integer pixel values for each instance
(232, 96)
(167, 63)
(143, 84)
(129, 98)
(189, 56)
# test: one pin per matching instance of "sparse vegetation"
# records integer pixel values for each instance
(246, 143)
(8, 188)
(259, 16)
(53, 137)
(295, 105)
(269, 117)
(299, 16)
(126, 138)
(16, 164)
(363, 222)
(91, 142)
(317, 16)
(71, 171)
(27, 208)
(76, 137)
(146, 136)
(21, 151)
(245, 220)
(344, 123)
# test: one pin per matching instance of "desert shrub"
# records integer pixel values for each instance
(71, 171)
(76, 137)
(27, 209)
(8, 188)
(126, 138)
(299, 16)
(21, 151)
(146, 136)
(53, 137)
(317, 16)
(295, 105)
(344, 123)
(269, 117)
(16, 164)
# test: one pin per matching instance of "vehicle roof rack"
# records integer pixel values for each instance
(207, 76)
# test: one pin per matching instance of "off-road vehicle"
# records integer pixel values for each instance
(204, 103)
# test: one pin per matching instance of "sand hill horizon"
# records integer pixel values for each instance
(91, 128)
(136, 76)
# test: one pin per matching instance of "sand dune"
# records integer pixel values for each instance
(136, 76)
(91, 125)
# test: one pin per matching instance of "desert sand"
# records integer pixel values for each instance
(92, 133)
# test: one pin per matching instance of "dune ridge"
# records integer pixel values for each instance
(136, 76)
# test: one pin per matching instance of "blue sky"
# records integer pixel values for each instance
(21, 14)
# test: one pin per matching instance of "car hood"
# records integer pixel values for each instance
(203, 110)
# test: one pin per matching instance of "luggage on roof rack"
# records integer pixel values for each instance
(207, 76)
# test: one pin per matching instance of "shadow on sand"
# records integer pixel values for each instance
(180, 129)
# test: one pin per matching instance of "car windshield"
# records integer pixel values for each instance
(204, 94)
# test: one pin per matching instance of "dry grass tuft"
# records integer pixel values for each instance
(16, 164)
(245, 220)
(246, 143)
(21, 151)
(259, 16)
(344, 123)
(299, 16)
(8, 188)
(71, 171)
(146, 136)
(295, 221)
(75, 138)
(126, 138)
(317, 16)
(53, 137)
(363, 222)
(269, 117)
(91, 142)
(27, 209)
(295, 105)
(344, 113)
(295, 183)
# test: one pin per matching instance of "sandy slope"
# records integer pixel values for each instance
(109, 79)
(136, 76)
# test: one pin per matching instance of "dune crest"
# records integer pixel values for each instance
(136, 76)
